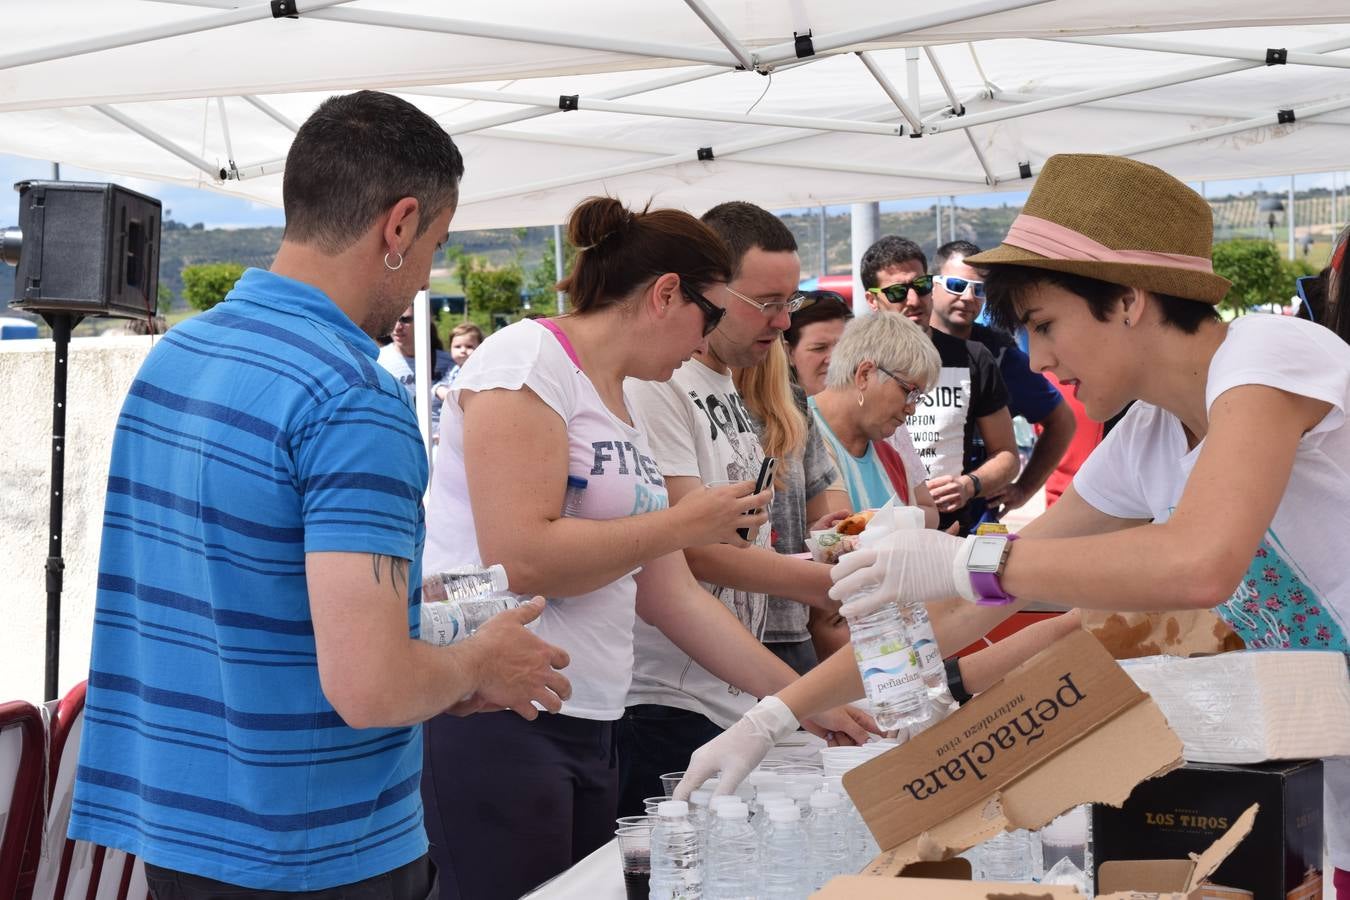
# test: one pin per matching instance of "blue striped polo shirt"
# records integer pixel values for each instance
(253, 434)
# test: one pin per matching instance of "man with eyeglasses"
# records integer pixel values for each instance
(969, 401)
(701, 432)
(958, 298)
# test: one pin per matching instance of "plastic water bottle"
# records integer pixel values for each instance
(576, 489)
(677, 864)
(782, 855)
(889, 666)
(455, 604)
(733, 855)
(1007, 857)
(930, 655)
(827, 839)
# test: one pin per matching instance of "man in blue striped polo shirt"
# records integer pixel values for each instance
(256, 682)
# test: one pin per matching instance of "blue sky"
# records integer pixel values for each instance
(190, 205)
(187, 205)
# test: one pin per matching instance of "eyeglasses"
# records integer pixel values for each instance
(774, 308)
(712, 313)
(957, 286)
(912, 392)
(899, 293)
(405, 320)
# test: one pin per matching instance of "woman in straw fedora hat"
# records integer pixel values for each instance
(1226, 486)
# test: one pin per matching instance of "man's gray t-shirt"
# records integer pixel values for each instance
(802, 480)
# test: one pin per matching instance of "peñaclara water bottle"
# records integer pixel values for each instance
(677, 864)
(931, 666)
(456, 603)
(889, 666)
(572, 497)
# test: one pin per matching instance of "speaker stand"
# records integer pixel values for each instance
(61, 324)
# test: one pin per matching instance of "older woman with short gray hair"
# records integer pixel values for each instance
(880, 369)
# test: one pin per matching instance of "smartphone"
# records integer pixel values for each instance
(766, 470)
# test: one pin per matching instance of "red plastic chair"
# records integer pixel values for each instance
(22, 739)
(81, 871)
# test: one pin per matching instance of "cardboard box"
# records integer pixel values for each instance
(1166, 879)
(1183, 811)
(1067, 727)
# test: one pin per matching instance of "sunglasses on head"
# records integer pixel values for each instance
(822, 299)
(899, 293)
(712, 313)
(957, 286)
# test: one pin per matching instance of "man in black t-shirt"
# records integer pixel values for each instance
(969, 399)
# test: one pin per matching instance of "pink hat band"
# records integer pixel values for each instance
(1053, 240)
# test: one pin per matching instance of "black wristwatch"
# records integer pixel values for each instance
(954, 682)
(975, 480)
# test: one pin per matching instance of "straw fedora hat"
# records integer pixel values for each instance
(1116, 220)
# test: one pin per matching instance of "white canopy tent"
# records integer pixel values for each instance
(687, 102)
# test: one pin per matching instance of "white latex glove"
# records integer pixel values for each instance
(736, 751)
(919, 566)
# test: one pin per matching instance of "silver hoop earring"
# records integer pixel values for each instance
(393, 267)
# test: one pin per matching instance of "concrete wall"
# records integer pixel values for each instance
(101, 370)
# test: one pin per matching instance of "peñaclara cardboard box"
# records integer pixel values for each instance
(1161, 879)
(1066, 727)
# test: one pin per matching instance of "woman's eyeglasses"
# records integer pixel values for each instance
(899, 293)
(957, 286)
(712, 313)
(912, 392)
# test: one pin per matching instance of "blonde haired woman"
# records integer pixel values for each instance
(879, 370)
(807, 495)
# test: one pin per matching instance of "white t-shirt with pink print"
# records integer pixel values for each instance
(596, 629)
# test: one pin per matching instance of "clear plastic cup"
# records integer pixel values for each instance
(670, 780)
(635, 853)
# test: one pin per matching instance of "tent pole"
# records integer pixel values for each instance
(787, 50)
(252, 13)
(1078, 98)
(159, 141)
(958, 108)
(951, 232)
(548, 37)
(1293, 57)
(912, 75)
(723, 33)
(655, 84)
(271, 112)
(937, 223)
(422, 368)
(906, 110)
(813, 123)
(1148, 106)
(864, 226)
(225, 130)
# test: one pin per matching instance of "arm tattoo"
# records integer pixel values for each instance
(398, 571)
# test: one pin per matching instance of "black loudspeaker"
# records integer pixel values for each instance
(87, 249)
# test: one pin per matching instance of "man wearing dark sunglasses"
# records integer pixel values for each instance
(958, 298)
(968, 404)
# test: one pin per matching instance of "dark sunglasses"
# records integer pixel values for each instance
(712, 313)
(405, 320)
(899, 293)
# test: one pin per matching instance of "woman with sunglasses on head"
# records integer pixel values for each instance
(811, 338)
(878, 372)
(544, 400)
